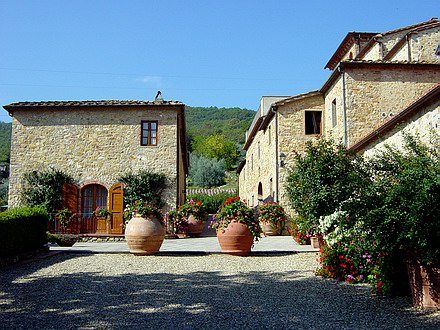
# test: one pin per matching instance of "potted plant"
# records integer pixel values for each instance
(145, 231)
(236, 227)
(103, 216)
(65, 219)
(272, 218)
(176, 225)
(64, 240)
(194, 213)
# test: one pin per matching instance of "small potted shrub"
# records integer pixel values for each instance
(64, 240)
(236, 227)
(145, 231)
(272, 217)
(194, 213)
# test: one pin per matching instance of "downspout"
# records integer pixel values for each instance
(409, 46)
(344, 108)
(277, 170)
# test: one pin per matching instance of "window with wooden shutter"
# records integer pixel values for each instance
(149, 133)
(116, 207)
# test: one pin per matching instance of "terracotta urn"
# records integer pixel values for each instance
(195, 226)
(424, 281)
(236, 239)
(270, 229)
(144, 235)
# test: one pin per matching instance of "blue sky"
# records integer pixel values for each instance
(203, 53)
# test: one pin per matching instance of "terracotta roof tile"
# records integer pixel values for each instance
(93, 103)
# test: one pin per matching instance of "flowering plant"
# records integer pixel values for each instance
(102, 212)
(235, 209)
(300, 236)
(175, 220)
(196, 208)
(65, 217)
(272, 213)
(144, 208)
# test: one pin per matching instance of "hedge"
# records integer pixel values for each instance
(212, 203)
(22, 229)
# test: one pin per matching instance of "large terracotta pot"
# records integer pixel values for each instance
(270, 229)
(144, 235)
(236, 239)
(424, 282)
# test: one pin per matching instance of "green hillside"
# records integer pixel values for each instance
(231, 122)
(5, 142)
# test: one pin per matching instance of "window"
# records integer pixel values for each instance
(270, 137)
(334, 122)
(148, 133)
(313, 122)
(93, 196)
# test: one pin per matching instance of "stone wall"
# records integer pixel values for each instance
(425, 124)
(372, 95)
(92, 145)
(292, 138)
(261, 156)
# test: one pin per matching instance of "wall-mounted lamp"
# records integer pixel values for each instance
(282, 159)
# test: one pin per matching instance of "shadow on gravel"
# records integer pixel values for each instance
(199, 300)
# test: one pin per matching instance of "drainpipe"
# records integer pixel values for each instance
(409, 46)
(277, 170)
(344, 108)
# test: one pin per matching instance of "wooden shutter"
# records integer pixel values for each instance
(116, 207)
(70, 197)
(70, 201)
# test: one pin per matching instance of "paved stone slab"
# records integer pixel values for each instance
(271, 244)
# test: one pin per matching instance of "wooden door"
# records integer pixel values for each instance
(116, 207)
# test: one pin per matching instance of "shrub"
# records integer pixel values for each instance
(205, 172)
(45, 188)
(22, 229)
(212, 203)
(145, 185)
(326, 175)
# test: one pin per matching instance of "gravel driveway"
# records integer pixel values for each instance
(114, 291)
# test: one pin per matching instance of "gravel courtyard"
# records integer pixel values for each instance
(113, 291)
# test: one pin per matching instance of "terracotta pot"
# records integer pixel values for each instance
(144, 235)
(424, 282)
(236, 239)
(269, 229)
(195, 226)
(314, 242)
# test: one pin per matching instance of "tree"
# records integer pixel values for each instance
(206, 172)
(217, 146)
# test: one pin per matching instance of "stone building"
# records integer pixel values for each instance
(96, 142)
(375, 78)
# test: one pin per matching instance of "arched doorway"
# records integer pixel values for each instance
(260, 193)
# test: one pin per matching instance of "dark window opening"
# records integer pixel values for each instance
(313, 122)
(334, 122)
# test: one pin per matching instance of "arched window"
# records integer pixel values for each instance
(93, 196)
(260, 192)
